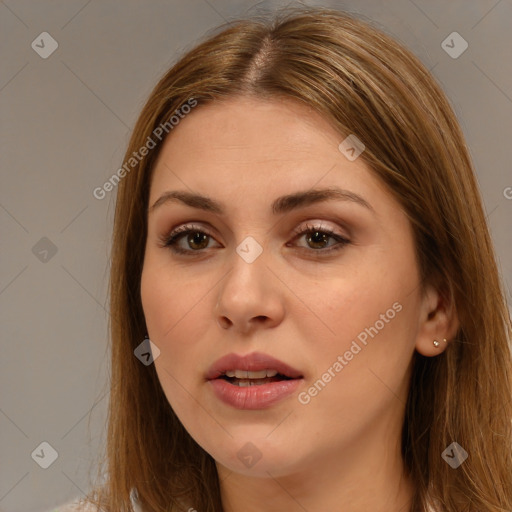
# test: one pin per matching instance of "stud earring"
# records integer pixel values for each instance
(436, 343)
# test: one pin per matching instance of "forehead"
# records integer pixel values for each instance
(243, 125)
(251, 139)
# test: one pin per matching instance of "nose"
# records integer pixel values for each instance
(250, 296)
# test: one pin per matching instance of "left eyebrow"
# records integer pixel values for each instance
(281, 205)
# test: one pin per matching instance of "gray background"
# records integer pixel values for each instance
(65, 122)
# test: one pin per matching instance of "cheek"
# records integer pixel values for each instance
(171, 320)
(342, 308)
(157, 303)
(173, 306)
(360, 372)
(369, 315)
(169, 299)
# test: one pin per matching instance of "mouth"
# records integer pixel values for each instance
(256, 368)
(253, 381)
(244, 378)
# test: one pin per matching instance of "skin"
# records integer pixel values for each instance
(291, 303)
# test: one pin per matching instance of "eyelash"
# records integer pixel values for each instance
(170, 240)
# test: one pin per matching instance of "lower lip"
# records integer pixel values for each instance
(253, 397)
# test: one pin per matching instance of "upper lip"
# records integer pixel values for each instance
(251, 362)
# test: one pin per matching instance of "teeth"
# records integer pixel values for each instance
(249, 383)
(244, 374)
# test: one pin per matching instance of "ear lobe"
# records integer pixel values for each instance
(438, 322)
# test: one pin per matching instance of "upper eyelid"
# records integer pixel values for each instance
(301, 227)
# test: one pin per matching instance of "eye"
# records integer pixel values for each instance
(196, 238)
(317, 237)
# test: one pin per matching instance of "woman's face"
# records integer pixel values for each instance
(259, 277)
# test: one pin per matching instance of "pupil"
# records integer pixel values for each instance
(315, 235)
(197, 238)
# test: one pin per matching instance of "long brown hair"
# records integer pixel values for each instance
(367, 84)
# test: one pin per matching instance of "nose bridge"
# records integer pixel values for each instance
(247, 269)
(246, 291)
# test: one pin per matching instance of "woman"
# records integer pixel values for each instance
(299, 233)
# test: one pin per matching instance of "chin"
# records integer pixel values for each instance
(256, 456)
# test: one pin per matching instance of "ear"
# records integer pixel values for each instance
(438, 321)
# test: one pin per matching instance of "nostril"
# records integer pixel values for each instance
(223, 322)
